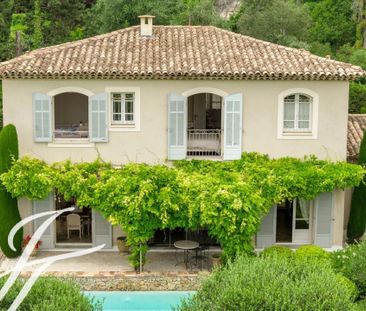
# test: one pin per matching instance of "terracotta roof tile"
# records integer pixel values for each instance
(175, 52)
(356, 128)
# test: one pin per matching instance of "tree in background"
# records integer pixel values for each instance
(357, 219)
(9, 213)
(1, 105)
(357, 97)
(109, 15)
(23, 6)
(57, 22)
(277, 21)
(198, 12)
(6, 10)
(37, 38)
(332, 22)
(359, 16)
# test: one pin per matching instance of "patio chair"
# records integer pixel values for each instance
(202, 256)
(73, 224)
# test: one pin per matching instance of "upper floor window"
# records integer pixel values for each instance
(123, 108)
(297, 113)
(71, 113)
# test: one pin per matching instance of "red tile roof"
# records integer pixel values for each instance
(356, 128)
(175, 52)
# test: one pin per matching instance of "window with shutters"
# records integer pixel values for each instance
(297, 115)
(71, 116)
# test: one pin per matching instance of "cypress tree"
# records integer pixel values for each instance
(9, 213)
(357, 219)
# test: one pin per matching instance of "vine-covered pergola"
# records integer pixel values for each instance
(227, 198)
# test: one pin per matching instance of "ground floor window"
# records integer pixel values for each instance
(74, 227)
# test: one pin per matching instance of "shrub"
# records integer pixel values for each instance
(9, 213)
(352, 288)
(311, 252)
(361, 305)
(357, 218)
(50, 294)
(272, 283)
(277, 250)
(351, 262)
(341, 257)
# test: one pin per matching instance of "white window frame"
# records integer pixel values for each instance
(123, 112)
(68, 142)
(312, 132)
(124, 126)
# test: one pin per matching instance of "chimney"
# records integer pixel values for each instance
(146, 25)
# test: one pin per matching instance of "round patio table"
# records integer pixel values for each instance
(186, 246)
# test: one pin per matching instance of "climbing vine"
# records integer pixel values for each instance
(228, 198)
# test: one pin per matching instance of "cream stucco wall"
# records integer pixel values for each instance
(149, 144)
(260, 105)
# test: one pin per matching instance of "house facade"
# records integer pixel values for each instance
(162, 93)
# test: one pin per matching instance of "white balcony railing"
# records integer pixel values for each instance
(202, 142)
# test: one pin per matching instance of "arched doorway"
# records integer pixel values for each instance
(204, 126)
(71, 116)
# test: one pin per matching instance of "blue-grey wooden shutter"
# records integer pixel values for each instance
(177, 127)
(324, 219)
(42, 117)
(266, 235)
(233, 126)
(98, 117)
(45, 205)
(101, 230)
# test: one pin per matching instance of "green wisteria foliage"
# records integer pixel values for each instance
(228, 198)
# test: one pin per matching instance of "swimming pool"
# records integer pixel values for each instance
(134, 301)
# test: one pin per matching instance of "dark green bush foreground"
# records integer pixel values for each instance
(50, 294)
(9, 213)
(273, 283)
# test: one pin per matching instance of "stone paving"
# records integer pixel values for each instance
(164, 270)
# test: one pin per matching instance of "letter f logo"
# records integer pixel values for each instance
(44, 263)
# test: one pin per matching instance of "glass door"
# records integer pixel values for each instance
(302, 221)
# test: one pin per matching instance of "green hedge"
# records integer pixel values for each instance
(272, 283)
(50, 294)
(9, 213)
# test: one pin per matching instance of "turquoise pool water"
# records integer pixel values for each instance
(134, 301)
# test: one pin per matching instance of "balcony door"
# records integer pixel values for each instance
(204, 125)
(302, 226)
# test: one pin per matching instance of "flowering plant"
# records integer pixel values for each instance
(27, 239)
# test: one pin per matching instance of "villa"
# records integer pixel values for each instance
(155, 93)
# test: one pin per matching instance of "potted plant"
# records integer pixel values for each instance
(216, 260)
(122, 246)
(26, 241)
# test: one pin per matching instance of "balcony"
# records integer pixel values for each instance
(204, 142)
